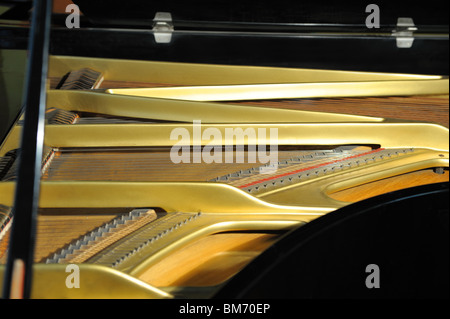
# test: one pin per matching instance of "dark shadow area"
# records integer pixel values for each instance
(12, 70)
(405, 234)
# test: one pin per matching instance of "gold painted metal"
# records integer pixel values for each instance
(191, 74)
(185, 111)
(228, 83)
(375, 188)
(96, 282)
(194, 196)
(292, 91)
(433, 139)
(209, 225)
(387, 134)
(11, 141)
(317, 190)
(190, 197)
(217, 207)
(208, 261)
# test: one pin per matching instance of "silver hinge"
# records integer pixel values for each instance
(404, 32)
(163, 27)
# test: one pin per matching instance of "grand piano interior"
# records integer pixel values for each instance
(232, 149)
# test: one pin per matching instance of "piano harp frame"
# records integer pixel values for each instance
(227, 82)
(387, 135)
(222, 207)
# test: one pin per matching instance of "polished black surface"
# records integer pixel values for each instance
(377, 54)
(315, 34)
(274, 13)
(23, 230)
(404, 233)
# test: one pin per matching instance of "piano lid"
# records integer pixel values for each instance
(394, 37)
(398, 36)
(255, 15)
